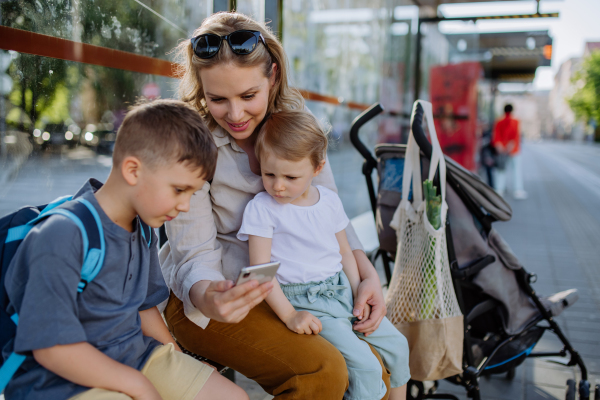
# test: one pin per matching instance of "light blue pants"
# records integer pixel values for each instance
(513, 171)
(331, 301)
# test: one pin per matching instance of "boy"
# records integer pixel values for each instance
(111, 337)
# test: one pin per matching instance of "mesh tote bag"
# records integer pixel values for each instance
(421, 301)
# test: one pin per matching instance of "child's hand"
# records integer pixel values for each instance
(303, 322)
(366, 313)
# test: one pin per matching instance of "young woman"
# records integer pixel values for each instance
(234, 72)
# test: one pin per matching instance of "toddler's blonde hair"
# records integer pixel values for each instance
(292, 135)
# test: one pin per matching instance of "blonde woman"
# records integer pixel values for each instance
(234, 72)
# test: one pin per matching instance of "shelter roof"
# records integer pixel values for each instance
(506, 56)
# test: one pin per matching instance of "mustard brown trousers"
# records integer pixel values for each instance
(285, 364)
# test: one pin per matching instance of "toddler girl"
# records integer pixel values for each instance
(302, 226)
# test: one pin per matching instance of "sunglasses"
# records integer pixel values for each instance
(241, 43)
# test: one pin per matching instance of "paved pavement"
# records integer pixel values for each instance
(555, 233)
(45, 177)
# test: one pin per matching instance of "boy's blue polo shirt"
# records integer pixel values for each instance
(42, 283)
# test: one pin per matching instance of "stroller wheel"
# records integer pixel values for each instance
(584, 390)
(510, 375)
(571, 390)
(414, 390)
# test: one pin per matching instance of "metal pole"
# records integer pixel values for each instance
(418, 62)
(3, 149)
(492, 112)
(274, 14)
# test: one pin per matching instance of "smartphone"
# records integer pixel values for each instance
(262, 273)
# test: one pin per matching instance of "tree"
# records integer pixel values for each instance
(44, 88)
(585, 103)
(40, 83)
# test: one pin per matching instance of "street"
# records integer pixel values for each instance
(555, 233)
(46, 177)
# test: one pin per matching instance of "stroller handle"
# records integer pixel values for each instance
(419, 133)
(358, 122)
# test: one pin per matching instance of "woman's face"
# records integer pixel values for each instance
(237, 97)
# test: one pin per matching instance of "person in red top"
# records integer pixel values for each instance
(506, 141)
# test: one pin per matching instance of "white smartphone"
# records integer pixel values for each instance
(262, 273)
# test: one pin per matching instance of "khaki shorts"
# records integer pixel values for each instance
(175, 376)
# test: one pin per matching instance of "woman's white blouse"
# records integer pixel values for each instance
(202, 242)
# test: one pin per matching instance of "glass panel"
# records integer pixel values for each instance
(253, 8)
(150, 28)
(451, 75)
(58, 118)
(61, 120)
(338, 48)
(397, 81)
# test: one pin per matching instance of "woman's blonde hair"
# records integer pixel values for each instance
(292, 135)
(281, 95)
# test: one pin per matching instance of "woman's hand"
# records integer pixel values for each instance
(369, 292)
(221, 301)
(303, 322)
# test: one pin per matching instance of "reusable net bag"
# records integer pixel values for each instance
(421, 301)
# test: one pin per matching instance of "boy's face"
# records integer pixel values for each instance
(287, 181)
(161, 193)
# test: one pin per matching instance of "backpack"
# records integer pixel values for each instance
(13, 229)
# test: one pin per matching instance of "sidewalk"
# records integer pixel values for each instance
(555, 233)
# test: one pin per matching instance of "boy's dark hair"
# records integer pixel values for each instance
(166, 131)
(508, 108)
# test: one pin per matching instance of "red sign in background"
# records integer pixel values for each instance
(453, 91)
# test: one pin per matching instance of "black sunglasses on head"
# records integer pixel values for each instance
(241, 43)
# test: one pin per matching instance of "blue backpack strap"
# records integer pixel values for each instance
(19, 232)
(12, 363)
(87, 219)
(95, 248)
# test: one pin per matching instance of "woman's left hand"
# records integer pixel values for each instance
(369, 292)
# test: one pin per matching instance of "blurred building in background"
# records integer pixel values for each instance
(97, 58)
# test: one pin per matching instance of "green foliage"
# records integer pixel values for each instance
(45, 89)
(434, 204)
(430, 288)
(585, 103)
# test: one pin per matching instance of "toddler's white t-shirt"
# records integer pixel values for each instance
(303, 238)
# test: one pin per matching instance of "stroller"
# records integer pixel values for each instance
(504, 318)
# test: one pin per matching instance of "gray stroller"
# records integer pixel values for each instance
(504, 317)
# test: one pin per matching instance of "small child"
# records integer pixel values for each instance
(110, 341)
(302, 226)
